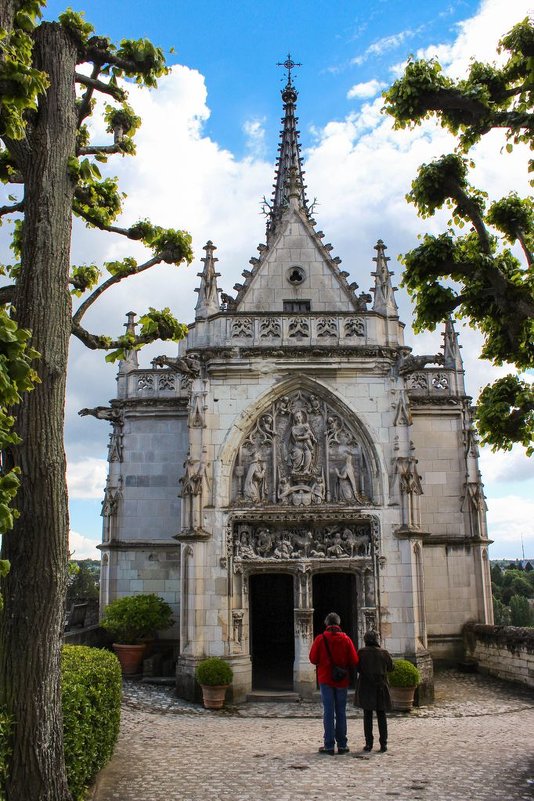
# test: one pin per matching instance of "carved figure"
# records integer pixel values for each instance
(264, 542)
(318, 490)
(347, 488)
(358, 543)
(409, 364)
(336, 549)
(189, 365)
(255, 489)
(284, 488)
(104, 413)
(284, 548)
(304, 443)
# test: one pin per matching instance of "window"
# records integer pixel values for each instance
(297, 306)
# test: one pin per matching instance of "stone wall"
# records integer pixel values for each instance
(503, 651)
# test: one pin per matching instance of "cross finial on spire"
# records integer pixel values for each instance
(289, 64)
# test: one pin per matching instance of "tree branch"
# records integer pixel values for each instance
(108, 89)
(95, 150)
(528, 253)
(7, 294)
(98, 342)
(115, 279)
(12, 209)
(85, 105)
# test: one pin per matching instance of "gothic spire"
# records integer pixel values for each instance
(208, 293)
(289, 174)
(452, 358)
(384, 301)
(130, 361)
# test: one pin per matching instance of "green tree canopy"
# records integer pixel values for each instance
(476, 276)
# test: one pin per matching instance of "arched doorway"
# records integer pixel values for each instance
(335, 592)
(272, 637)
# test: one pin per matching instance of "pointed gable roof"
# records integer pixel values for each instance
(295, 264)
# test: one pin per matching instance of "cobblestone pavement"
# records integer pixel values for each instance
(475, 743)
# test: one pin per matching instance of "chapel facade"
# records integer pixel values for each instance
(296, 458)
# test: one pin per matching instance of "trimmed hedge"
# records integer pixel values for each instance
(404, 674)
(214, 672)
(91, 687)
(91, 684)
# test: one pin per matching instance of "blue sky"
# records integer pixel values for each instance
(205, 160)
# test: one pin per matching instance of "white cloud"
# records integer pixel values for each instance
(86, 479)
(364, 90)
(255, 133)
(510, 526)
(81, 547)
(383, 45)
(358, 168)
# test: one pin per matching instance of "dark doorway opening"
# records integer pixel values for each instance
(272, 631)
(335, 592)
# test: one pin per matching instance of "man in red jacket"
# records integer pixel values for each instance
(329, 650)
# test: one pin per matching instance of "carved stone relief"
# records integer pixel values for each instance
(270, 328)
(257, 542)
(326, 327)
(299, 327)
(301, 453)
(354, 327)
(242, 327)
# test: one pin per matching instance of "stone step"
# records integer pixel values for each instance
(264, 696)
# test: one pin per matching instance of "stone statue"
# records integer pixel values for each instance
(318, 490)
(347, 488)
(255, 489)
(303, 445)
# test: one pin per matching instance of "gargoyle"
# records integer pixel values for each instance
(103, 413)
(189, 365)
(410, 363)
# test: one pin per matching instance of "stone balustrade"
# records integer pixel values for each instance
(503, 651)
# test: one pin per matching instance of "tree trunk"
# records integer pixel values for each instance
(34, 590)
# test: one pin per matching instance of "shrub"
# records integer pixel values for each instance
(136, 617)
(91, 696)
(213, 672)
(404, 674)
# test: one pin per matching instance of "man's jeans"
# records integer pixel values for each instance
(334, 716)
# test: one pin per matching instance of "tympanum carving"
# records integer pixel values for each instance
(301, 453)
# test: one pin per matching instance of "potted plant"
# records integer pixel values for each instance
(133, 621)
(214, 676)
(403, 682)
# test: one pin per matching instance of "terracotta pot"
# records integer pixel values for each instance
(402, 698)
(213, 695)
(130, 657)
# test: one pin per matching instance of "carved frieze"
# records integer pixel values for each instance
(354, 327)
(327, 327)
(277, 543)
(145, 382)
(167, 382)
(301, 453)
(270, 327)
(298, 327)
(242, 327)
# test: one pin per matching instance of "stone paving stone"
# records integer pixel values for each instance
(475, 743)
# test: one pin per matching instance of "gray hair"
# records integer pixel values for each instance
(332, 619)
(371, 637)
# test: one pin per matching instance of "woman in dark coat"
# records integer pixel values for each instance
(372, 692)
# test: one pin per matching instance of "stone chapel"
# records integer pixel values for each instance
(293, 458)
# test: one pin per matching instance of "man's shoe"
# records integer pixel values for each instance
(345, 750)
(329, 751)
(368, 748)
(383, 749)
